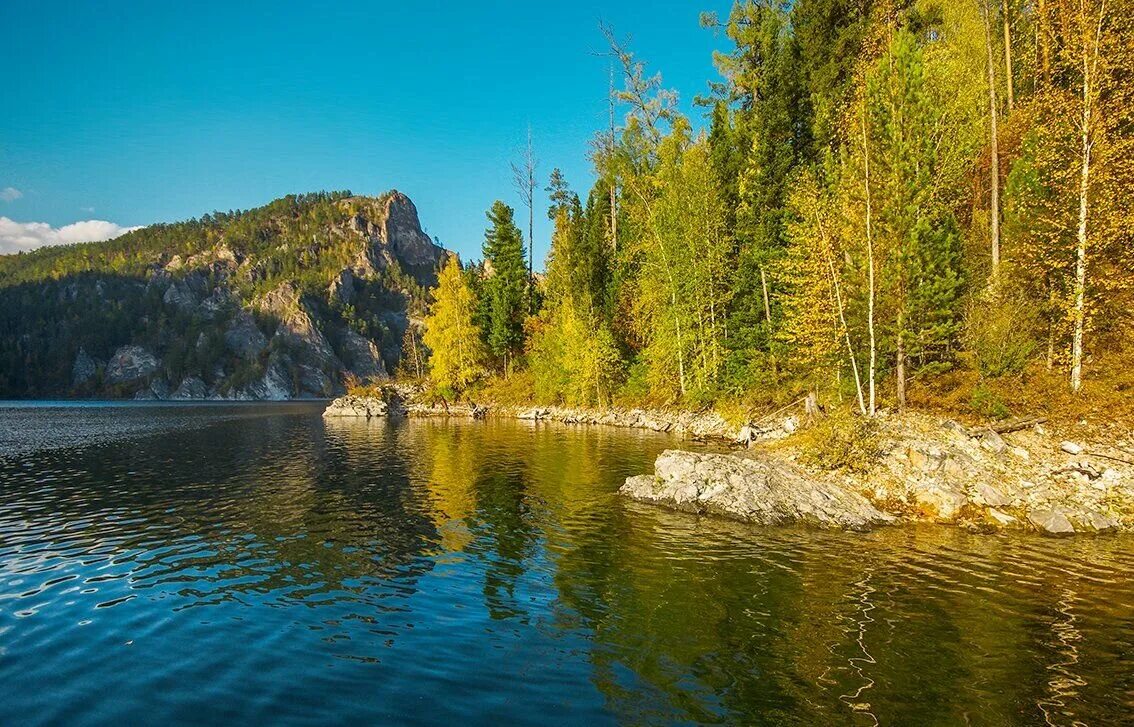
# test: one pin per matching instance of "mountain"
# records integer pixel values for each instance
(287, 300)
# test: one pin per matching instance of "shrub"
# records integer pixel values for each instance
(843, 441)
(1001, 335)
(987, 403)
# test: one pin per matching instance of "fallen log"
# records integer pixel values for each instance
(1007, 428)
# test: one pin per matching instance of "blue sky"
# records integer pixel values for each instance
(138, 112)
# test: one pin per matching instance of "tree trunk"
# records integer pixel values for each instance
(1043, 33)
(901, 364)
(767, 305)
(1086, 135)
(870, 264)
(613, 186)
(1079, 315)
(994, 164)
(830, 256)
(1008, 55)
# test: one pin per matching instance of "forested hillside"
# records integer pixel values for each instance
(889, 200)
(289, 299)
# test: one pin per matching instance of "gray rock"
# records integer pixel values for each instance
(297, 332)
(765, 491)
(274, 385)
(356, 406)
(990, 441)
(130, 364)
(243, 337)
(361, 356)
(216, 304)
(342, 287)
(1093, 521)
(190, 389)
(1071, 447)
(314, 381)
(1051, 522)
(160, 388)
(989, 495)
(84, 369)
(940, 500)
(180, 295)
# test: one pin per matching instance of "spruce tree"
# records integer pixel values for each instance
(505, 285)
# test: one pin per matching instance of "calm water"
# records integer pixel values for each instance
(256, 564)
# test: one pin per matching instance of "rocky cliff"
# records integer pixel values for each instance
(293, 299)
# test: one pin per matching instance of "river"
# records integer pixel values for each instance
(254, 563)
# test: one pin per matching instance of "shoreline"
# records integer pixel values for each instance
(925, 468)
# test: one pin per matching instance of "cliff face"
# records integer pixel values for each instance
(289, 300)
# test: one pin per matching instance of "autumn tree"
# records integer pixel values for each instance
(458, 355)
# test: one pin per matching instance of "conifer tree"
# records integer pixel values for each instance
(505, 285)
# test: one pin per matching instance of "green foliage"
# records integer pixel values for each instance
(988, 404)
(506, 285)
(1001, 335)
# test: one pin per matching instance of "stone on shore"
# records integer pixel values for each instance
(765, 491)
(357, 406)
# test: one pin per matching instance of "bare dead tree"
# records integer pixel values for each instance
(524, 178)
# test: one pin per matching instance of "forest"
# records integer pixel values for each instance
(885, 204)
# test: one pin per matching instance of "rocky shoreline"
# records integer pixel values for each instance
(928, 469)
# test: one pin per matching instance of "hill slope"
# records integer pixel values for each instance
(285, 300)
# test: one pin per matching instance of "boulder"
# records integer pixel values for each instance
(1093, 521)
(1071, 448)
(992, 442)
(765, 491)
(130, 364)
(1051, 522)
(937, 499)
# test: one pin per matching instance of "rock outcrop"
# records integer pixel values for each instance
(130, 364)
(365, 407)
(84, 369)
(764, 491)
(191, 388)
(362, 356)
(243, 337)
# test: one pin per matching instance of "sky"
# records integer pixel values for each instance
(120, 114)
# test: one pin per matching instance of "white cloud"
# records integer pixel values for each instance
(10, 194)
(16, 236)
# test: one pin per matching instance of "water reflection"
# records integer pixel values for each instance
(279, 567)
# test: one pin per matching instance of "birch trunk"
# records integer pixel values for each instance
(870, 265)
(1008, 55)
(994, 163)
